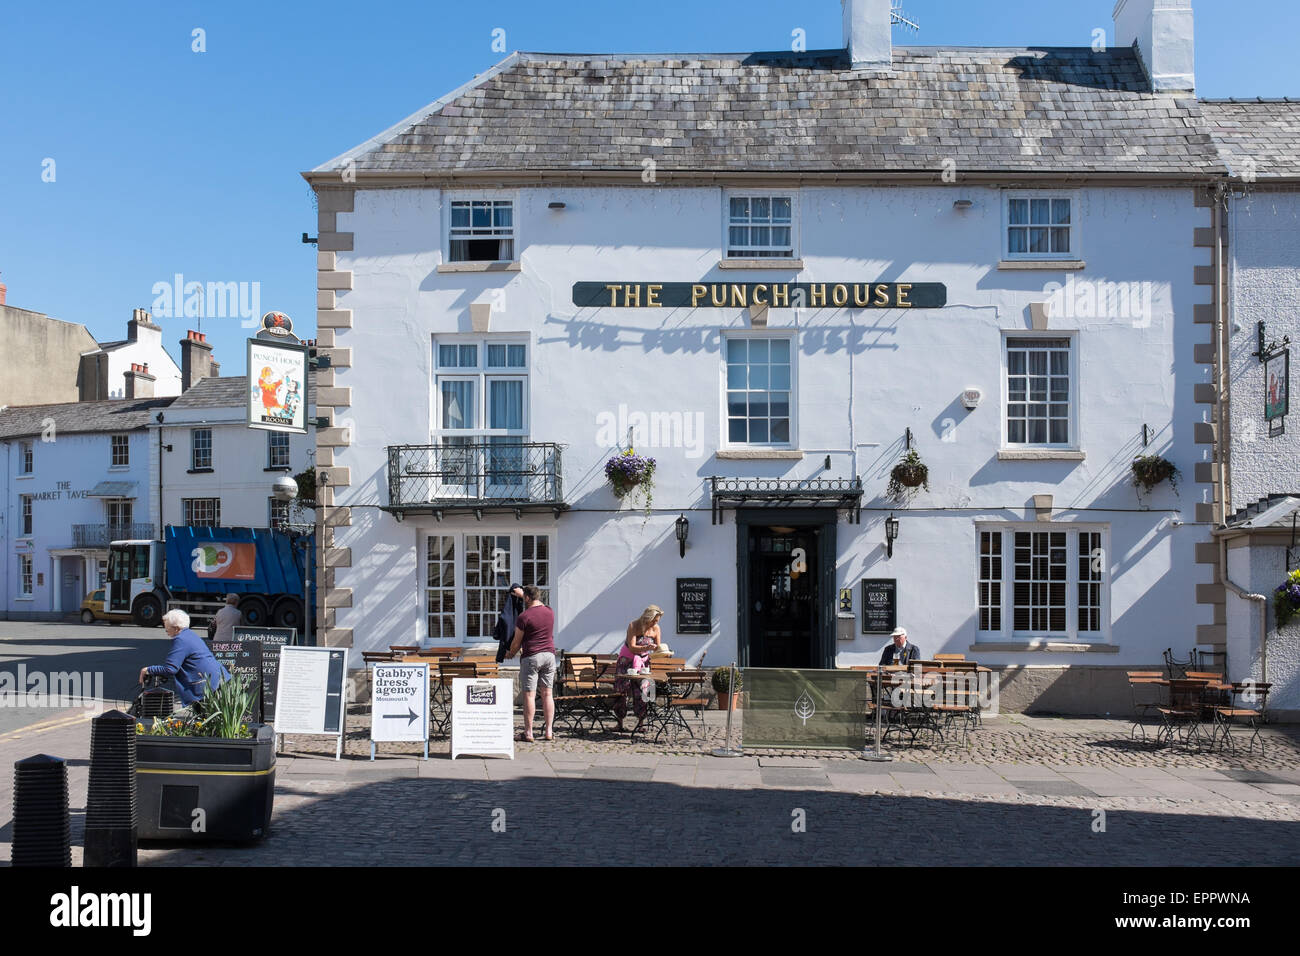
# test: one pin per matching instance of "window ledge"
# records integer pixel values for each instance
(27, 477)
(25, 598)
(1040, 454)
(1046, 647)
(759, 454)
(199, 471)
(1045, 265)
(773, 263)
(283, 468)
(479, 266)
(119, 467)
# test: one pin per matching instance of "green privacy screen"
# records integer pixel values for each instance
(803, 709)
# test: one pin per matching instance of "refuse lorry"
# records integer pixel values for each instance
(195, 568)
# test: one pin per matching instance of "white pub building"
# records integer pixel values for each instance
(777, 274)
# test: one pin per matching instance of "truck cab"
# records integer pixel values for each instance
(135, 572)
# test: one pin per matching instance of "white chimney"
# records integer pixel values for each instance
(1162, 30)
(866, 33)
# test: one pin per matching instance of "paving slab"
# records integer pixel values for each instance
(1233, 790)
(607, 772)
(1281, 789)
(1051, 788)
(626, 760)
(793, 777)
(317, 766)
(674, 773)
(1023, 771)
(902, 766)
(806, 762)
(747, 779)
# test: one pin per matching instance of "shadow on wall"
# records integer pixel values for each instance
(383, 596)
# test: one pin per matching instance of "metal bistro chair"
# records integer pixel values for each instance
(1147, 690)
(440, 705)
(1251, 692)
(1181, 717)
(1174, 668)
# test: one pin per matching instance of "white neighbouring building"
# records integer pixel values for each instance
(780, 270)
(1260, 142)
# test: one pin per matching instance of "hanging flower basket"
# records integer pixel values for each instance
(629, 472)
(1286, 599)
(908, 475)
(1150, 470)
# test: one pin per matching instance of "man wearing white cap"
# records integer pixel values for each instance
(900, 652)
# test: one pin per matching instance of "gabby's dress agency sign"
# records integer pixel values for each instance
(277, 386)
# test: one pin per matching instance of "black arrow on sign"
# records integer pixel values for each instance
(409, 721)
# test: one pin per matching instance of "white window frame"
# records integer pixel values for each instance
(26, 459)
(726, 443)
(26, 576)
(473, 196)
(273, 505)
(26, 516)
(1071, 634)
(113, 444)
(273, 439)
(187, 511)
(1076, 231)
(481, 375)
(1072, 442)
(194, 449)
(459, 590)
(729, 194)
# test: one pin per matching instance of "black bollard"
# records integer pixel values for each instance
(111, 820)
(41, 828)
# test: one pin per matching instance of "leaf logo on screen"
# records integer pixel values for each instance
(804, 707)
(212, 558)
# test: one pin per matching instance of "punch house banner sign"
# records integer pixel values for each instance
(774, 295)
(277, 386)
(803, 709)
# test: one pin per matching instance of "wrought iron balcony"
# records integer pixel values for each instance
(475, 475)
(101, 535)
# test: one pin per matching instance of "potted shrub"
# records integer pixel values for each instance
(1286, 599)
(909, 474)
(728, 699)
(1150, 470)
(631, 474)
(208, 774)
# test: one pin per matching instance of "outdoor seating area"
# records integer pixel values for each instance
(1195, 709)
(929, 703)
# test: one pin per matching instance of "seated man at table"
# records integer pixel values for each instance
(900, 652)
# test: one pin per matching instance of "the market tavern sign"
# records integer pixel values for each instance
(773, 295)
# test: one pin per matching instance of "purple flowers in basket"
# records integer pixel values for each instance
(629, 469)
(1286, 599)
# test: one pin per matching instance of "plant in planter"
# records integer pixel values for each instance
(909, 474)
(728, 698)
(630, 473)
(208, 774)
(1150, 470)
(1286, 599)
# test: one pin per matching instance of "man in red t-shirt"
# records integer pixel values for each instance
(535, 637)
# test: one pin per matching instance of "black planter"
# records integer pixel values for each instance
(231, 781)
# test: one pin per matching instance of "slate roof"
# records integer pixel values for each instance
(72, 418)
(1285, 506)
(1260, 137)
(1024, 110)
(215, 393)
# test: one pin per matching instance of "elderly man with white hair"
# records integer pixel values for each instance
(189, 661)
(899, 651)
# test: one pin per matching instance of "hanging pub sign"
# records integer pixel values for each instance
(1277, 385)
(277, 386)
(773, 295)
(879, 605)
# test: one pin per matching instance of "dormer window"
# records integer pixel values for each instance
(481, 230)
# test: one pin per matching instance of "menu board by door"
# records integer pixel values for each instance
(310, 693)
(694, 605)
(879, 605)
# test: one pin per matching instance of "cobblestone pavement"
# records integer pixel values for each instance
(1024, 791)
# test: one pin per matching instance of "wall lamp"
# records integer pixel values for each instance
(555, 205)
(683, 529)
(962, 205)
(891, 535)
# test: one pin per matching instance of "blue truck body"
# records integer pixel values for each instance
(278, 571)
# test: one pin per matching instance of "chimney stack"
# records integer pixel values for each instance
(196, 359)
(1162, 32)
(141, 319)
(139, 383)
(867, 33)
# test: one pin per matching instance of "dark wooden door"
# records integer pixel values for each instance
(783, 596)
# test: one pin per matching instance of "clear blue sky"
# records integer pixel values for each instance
(170, 161)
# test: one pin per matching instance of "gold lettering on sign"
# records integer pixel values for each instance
(903, 289)
(718, 295)
(652, 295)
(758, 291)
(739, 298)
(613, 295)
(780, 296)
(697, 293)
(632, 296)
(818, 294)
(882, 295)
(861, 295)
(839, 294)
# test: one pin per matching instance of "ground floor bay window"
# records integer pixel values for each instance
(466, 577)
(1043, 581)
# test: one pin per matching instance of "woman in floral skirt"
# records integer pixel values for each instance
(643, 639)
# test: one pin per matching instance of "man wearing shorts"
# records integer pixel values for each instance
(535, 638)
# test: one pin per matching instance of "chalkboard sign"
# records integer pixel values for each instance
(243, 659)
(694, 605)
(271, 640)
(879, 605)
